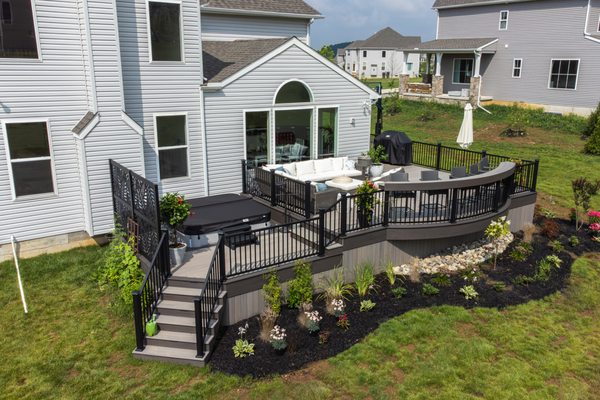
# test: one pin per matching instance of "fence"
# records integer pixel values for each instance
(150, 292)
(205, 304)
(135, 200)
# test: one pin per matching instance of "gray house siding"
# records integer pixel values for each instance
(557, 32)
(164, 87)
(448, 71)
(51, 89)
(225, 112)
(594, 18)
(237, 27)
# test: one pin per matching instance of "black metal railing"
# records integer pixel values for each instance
(359, 219)
(290, 194)
(267, 247)
(147, 297)
(205, 304)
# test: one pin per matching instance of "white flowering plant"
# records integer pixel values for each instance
(243, 348)
(338, 306)
(313, 319)
(277, 338)
(496, 230)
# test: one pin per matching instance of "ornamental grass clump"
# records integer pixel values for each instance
(278, 338)
(494, 232)
(364, 280)
(334, 287)
(174, 210)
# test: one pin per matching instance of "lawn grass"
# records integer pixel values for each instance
(73, 345)
(553, 139)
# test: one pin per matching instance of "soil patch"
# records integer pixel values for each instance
(496, 289)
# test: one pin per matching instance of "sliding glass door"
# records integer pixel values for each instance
(327, 132)
(293, 135)
(257, 138)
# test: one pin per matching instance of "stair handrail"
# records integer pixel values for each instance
(145, 300)
(205, 303)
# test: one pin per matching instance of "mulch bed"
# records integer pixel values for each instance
(304, 348)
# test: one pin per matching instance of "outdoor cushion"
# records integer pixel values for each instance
(321, 187)
(349, 164)
(337, 163)
(305, 168)
(324, 165)
(290, 169)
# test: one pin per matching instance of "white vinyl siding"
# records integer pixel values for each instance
(517, 69)
(503, 24)
(233, 27)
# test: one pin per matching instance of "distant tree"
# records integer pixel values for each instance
(327, 52)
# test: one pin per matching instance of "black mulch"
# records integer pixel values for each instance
(304, 348)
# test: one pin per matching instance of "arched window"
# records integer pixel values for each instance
(293, 92)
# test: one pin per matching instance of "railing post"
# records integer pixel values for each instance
(138, 320)
(222, 256)
(344, 215)
(199, 328)
(386, 208)
(164, 258)
(244, 177)
(438, 156)
(307, 200)
(321, 232)
(536, 167)
(273, 189)
(454, 206)
(497, 196)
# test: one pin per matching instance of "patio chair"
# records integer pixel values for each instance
(402, 194)
(296, 152)
(484, 164)
(430, 176)
(458, 172)
(432, 207)
(474, 169)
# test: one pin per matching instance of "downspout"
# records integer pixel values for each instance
(480, 82)
(310, 22)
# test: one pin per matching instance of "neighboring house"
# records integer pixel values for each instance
(544, 52)
(178, 91)
(381, 55)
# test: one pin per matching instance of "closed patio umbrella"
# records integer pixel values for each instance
(465, 136)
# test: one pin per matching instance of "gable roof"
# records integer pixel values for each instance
(386, 38)
(456, 45)
(223, 59)
(225, 62)
(469, 3)
(288, 7)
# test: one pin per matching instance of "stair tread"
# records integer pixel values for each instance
(175, 336)
(169, 352)
(176, 305)
(183, 291)
(175, 320)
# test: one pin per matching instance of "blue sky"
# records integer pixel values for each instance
(348, 20)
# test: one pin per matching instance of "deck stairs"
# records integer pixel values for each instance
(176, 340)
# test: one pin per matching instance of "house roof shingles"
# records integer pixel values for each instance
(453, 44)
(270, 6)
(467, 3)
(224, 59)
(386, 38)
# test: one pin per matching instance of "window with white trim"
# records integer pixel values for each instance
(171, 134)
(30, 158)
(383, 54)
(563, 74)
(364, 53)
(165, 31)
(463, 70)
(503, 20)
(17, 30)
(364, 66)
(517, 67)
(409, 66)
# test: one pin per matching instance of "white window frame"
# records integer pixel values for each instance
(39, 58)
(576, 77)
(186, 146)
(9, 161)
(365, 53)
(520, 68)
(310, 92)
(149, 32)
(383, 54)
(383, 66)
(503, 20)
(269, 130)
(335, 134)
(454, 70)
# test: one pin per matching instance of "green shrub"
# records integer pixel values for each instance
(574, 241)
(592, 121)
(518, 255)
(366, 305)
(556, 246)
(593, 144)
(392, 105)
(272, 292)
(429, 290)
(545, 266)
(499, 286)
(399, 291)
(469, 292)
(364, 279)
(121, 269)
(300, 289)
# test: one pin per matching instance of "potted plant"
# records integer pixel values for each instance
(377, 155)
(365, 202)
(174, 211)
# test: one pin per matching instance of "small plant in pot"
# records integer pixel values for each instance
(366, 202)
(174, 210)
(378, 156)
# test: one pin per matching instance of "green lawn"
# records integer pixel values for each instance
(73, 345)
(553, 139)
